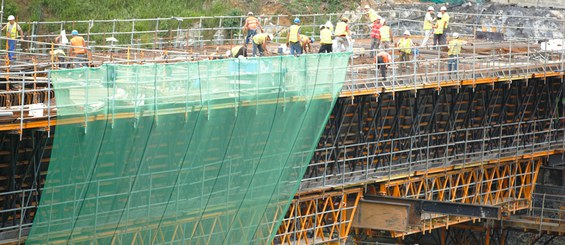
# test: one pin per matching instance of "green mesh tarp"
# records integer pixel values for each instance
(208, 152)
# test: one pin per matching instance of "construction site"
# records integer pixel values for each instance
(163, 139)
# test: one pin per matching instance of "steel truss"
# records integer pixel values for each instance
(319, 218)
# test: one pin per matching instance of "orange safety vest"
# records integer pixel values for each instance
(252, 22)
(78, 45)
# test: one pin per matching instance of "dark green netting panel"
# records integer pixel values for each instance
(207, 152)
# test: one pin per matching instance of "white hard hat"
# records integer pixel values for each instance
(250, 13)
(455, 35)
(228, 53)
(407, 32)
(322, 26)
(271, 36)
(383, 20)
(430, 8)
(367, 7)
(439, 15)
(11, 17)
(443, 8)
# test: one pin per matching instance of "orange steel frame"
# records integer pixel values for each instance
(319, 218)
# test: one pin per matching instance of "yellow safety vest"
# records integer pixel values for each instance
(304, 38)
(385, 34)
(405, 45)
(373, 15)
(12, 31)
(455, 47)
(427, 24)
(260, 38)
(235, 50)
(341, 29)
(445, 17)
(326, 36)
(440, 25)
(293, 33)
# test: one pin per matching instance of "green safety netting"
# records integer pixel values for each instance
(208, 152)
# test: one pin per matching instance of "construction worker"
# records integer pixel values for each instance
(251, 24)
(382, 59)
(325, 39)
(293, 38)
(59, 57)
(428, 25)
(373, 16)
(445, 17)
(342, 34)
(386, 35)
(260, 43)
(306, 42)
(12, 30)
(237, 51)
(78, 48)
(375, 36)
(405, 44)
(454, 51)
(438, 30)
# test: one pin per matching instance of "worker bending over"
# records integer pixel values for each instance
(428, 25)
(405, 44)
(325, 39)
(375, 36)
(306, 42)
(78, 49)
(237, 51)
(386, 35)
(382, 59)
(12, 30)
(342, 35)
(251, 25)
(293, 38)
(454, 51)
(260, 43)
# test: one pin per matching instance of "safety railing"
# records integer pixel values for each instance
(547, 209)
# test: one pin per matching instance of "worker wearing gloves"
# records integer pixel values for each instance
(386, 35)
(293, 38)
(454, 51)
(78, 48)
(438, 30)
(428, 25)
(342, 35)
(375, 36)
(325, 39)
(12, 30)
(405, 44)
(251, 25)
(306, 42)
(371, 14)
(260, 43)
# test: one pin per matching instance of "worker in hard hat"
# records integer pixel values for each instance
(405, 45)
(342, 35)
(293, 38)
(439, 27)
(325, 39)
(59, 57)
(428, 25)
(237, 51)
(386, 35)
(382, 60)
(12, 30)
(78, 48)
(306, 42)
(260, 43)
(454, 51)
(371, 14)
(250, 26)
(445, 17)
(375, 36)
